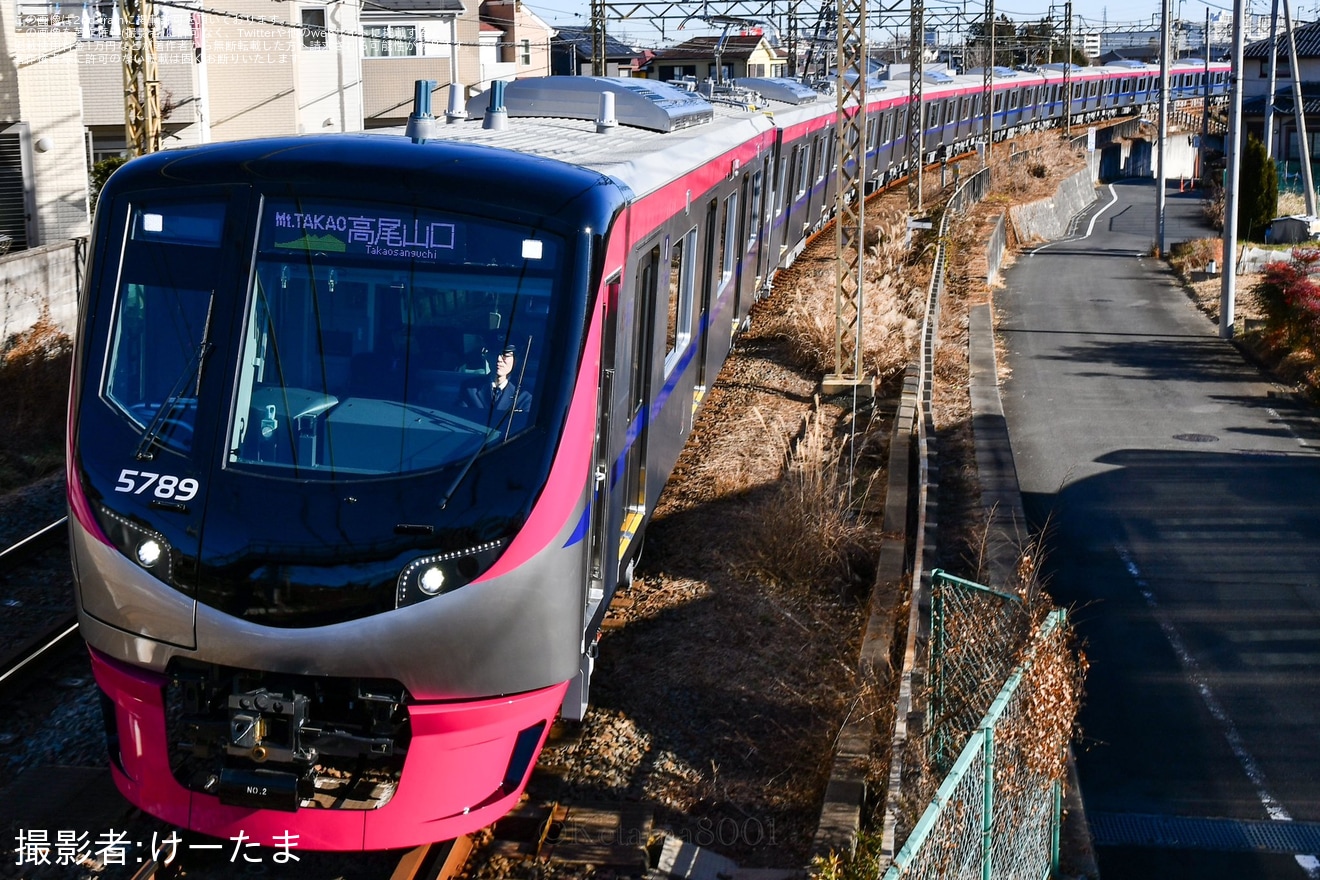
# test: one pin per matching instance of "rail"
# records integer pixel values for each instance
(31, 652)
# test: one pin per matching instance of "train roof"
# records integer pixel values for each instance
(642, 158)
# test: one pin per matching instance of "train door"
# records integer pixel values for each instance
(709, 285)
(729, 254)
(743, 283)
(604, 561)
(633, 379)
(758, 255)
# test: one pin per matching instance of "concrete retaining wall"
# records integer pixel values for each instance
(995, 247)
(40, 279)
(1048, 219)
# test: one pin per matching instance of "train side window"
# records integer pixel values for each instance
(678, 327)
(802, 171)
(888, 134)
(781, 185)
(754, 207)
(728, 233)
(647, 278)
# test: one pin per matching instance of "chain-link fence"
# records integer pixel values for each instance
(997, 812)
(975, 634)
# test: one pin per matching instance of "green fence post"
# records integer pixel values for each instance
(1055, 823)
(1056, 819)
(988, 818)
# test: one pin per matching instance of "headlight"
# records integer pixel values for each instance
(147, 547)
(442, 573)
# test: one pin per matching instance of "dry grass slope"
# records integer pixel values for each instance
(34, 384)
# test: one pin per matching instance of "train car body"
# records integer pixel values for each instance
(335, 583)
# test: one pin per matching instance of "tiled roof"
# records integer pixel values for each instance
(446, 6)
(580, 39)
(704, 47)
(1308, 43)
(1283, 102)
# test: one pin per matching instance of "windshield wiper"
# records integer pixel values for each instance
(191, 376)
(491, 434)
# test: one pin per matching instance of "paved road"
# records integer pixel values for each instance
(1181, 490)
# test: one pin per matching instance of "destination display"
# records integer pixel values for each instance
(391, 233)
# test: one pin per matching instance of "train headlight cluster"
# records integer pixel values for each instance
(441, 573)
(147, 547)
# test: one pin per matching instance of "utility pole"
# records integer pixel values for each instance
(1274, 79)
(916, 149)
(141, 79)
(1228, 281)
(597, 37)
(1205, 102)
(1067, 69)
(850, 197)
(1295, 74)
(793, 39)
(1161, 173)
(988, 80)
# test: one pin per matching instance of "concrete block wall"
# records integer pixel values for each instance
(40, 279)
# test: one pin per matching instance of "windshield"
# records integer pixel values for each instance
(386, 340)
(161, 317)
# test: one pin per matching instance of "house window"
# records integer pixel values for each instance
(756, 70)
(1281, 70)
(670, 72)
(526, 52)
(393, 41)
(313, 28)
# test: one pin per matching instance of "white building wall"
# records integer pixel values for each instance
(43, 91)
(329, 80)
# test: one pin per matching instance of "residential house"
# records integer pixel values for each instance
(446, 42)
(571, 54)
(408, 40)
(43, 165)
(719, 58)
(234, 69)
(1255, 91)
(525, 39)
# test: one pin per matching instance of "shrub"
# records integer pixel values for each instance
(1258, 195)
(1291, 298)
(100, 173)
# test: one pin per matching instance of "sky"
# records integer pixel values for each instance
(1091, 14)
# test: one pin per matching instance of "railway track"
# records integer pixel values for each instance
(34, 641)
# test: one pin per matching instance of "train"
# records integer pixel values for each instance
(365, 429)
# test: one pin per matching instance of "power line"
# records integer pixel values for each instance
(320, 29)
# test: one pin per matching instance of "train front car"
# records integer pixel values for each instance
(330, 443)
